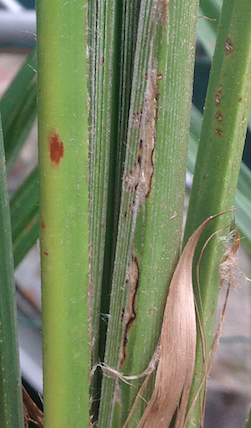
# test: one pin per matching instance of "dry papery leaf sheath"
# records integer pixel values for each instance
(177, 346)
(31, 412)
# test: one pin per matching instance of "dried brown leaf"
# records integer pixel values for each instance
(177, 346)
(31, 412)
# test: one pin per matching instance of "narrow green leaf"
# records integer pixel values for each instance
(18, 107)
(11, 406)
(24, 211)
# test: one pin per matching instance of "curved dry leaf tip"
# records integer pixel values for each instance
(177, 346)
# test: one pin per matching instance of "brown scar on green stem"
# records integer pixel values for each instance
(56, 148)
(219, 117)
(218, 96)
(219, 132)
(128, 313)
(228, 46)
(140, 177)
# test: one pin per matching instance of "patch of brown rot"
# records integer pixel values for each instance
(43, 225)
(219, 132)
(218, 96)
(140, 177)
(240, 100)
(128, 313)
(228, 46)
(56, 149)
(219, 117)
(45, 253)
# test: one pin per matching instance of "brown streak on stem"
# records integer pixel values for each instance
(129, 314)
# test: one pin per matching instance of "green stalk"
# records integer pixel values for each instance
(63, 155)
(219, 157)
(164, 207)
(104, 40)
(112, 46)
(11, 405)
(161, 214)
(242, 195)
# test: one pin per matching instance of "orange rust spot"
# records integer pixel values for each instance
(56, 149)
(45, 253)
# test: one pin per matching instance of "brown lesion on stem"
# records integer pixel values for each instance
(218, 96)
(219, 117)
(129, 314)
(219, 132)
(56, 148)
(229, 47)
(140, 177)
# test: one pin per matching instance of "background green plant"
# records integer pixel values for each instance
(123, 37)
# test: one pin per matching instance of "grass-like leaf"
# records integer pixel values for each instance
(24, 210)
(18, 107)
(11, 407)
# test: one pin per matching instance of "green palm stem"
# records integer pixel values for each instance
(63, 164)
(162, 217)
(112, 42)
(218, 163)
